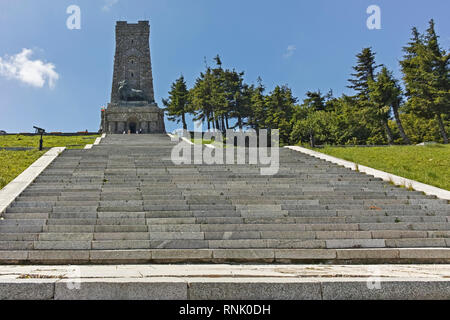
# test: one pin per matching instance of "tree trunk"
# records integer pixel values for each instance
(388, 131)
(223, 124)
(213, 121)
(311, 139)
(400, 126)
(442, 128)
(240, 123)
(183, 117)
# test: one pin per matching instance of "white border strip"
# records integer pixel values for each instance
(12, 190)
(397, 180)
(174, 138)
(187, 140)
(96, 142)
(177, 138)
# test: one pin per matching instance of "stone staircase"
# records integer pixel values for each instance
(124, 201)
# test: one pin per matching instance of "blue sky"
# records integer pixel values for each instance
(307, 45)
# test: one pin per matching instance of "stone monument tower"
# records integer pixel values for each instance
(133, 108)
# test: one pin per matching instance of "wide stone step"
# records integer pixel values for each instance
(148, 256)
(192, 240)
(196, 233)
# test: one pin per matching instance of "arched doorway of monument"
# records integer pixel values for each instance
(132, 125)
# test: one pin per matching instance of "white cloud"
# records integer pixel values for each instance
(32, 72)
(289, 51)
(109, 4)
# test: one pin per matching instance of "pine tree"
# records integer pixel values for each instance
(208, 97)
(279, 105)
(257, 112)
(177, 103)
(200, 97)
(219, 100)
(365, 70)
(425, 67)
(315, 100)
(439, 75)
(384, 93)
(238, 96)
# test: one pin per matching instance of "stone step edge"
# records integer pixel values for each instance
(218, 256)
(224, 282)
(397, 180)
(13, 189)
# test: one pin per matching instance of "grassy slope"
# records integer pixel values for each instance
(201, 141)
(49, 141)
(212, 142)
(13, 163)
(427, 164)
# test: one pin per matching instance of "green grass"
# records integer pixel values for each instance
(427, 164)
(201, 141)
(213, 142)
(222, 144)
(74, 142)
(13, 163)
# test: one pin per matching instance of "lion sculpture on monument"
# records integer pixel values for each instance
(129, 94)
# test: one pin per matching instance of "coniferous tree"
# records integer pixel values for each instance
(315, 100)
(220, 94)
(280, 109)
(201, 97)
(364, 70)
(220, 103)
(238, 96)
(425, 67)
(177, 103)
(257, 114)
(439, 75)
(384, 93)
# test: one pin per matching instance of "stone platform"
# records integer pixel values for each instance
(124, 202)
(225, 282)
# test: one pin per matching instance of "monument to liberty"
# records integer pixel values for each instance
(133, 108)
